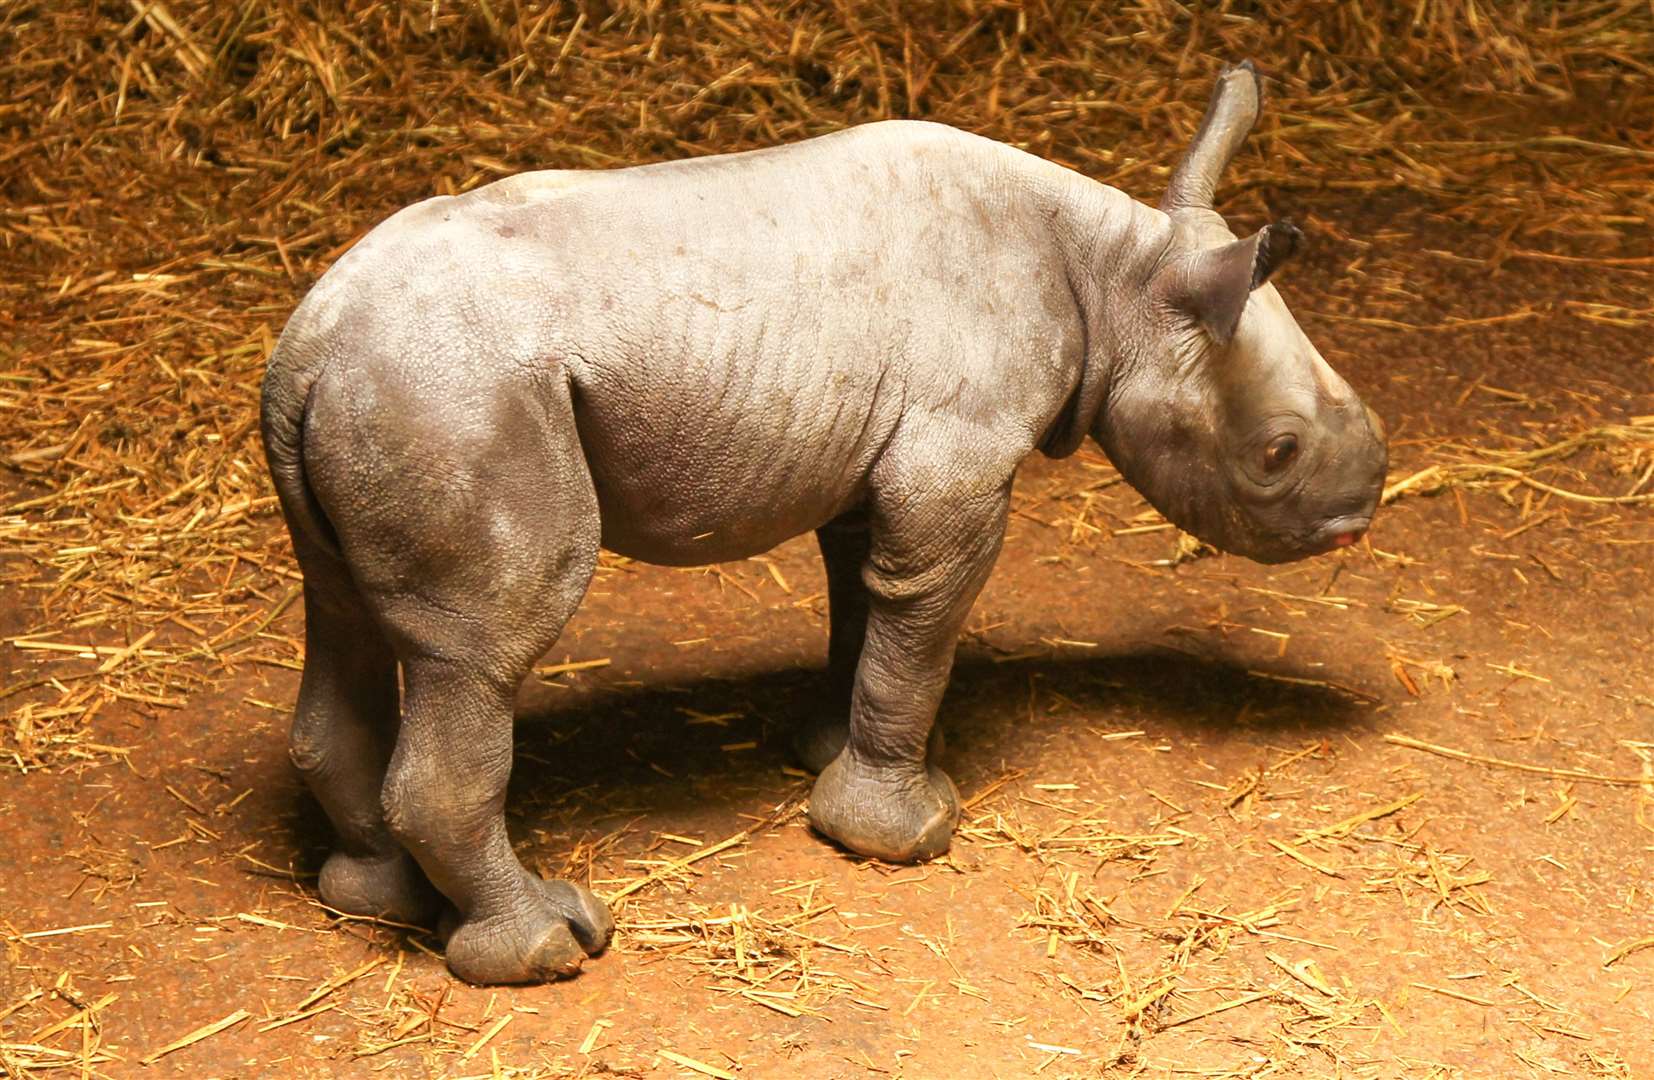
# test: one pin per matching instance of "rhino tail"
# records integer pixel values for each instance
(288, 390)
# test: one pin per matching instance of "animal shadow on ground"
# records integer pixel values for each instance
(608, 765)
(707, 752)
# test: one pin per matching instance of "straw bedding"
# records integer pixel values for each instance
(176, 174)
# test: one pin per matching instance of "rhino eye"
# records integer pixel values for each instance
(1280, 452)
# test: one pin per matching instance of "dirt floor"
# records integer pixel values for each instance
(1204, 834)
(1388, 813)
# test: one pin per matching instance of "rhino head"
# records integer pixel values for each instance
(1222, 413)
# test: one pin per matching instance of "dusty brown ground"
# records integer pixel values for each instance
(1189, 851)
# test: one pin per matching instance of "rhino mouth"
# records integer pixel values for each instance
(1339, 533)
(1330, 535)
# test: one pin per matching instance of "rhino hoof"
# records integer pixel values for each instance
(548, 936)
(588, 917)
(499, 951)
(901, 818)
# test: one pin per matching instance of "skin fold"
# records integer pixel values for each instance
(861, 335)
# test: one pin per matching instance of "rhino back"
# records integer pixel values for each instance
(744, 333)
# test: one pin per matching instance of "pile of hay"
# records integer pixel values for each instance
(175, 174)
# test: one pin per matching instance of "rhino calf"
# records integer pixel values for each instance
(862, 335)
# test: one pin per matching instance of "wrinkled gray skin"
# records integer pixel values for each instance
(861, 335)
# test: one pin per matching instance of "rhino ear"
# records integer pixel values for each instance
(1276, 243)
(1217, 281)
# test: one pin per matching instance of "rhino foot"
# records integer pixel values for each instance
(383, 887)
(548, 934)
(898, 816)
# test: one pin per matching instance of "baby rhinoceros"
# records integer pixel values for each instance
(862, 335)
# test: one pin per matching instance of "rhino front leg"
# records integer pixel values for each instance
(929, 554)
(844, 544)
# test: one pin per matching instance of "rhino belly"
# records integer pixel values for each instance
(687, 475)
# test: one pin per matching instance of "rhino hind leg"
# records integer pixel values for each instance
(929, 556)
(472, 527)
(343, 730)
(445, 798)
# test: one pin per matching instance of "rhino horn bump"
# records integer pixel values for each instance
(1230, 115)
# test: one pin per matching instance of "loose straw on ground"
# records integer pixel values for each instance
(1520, 766)
(132, 490)
(206, 1031)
